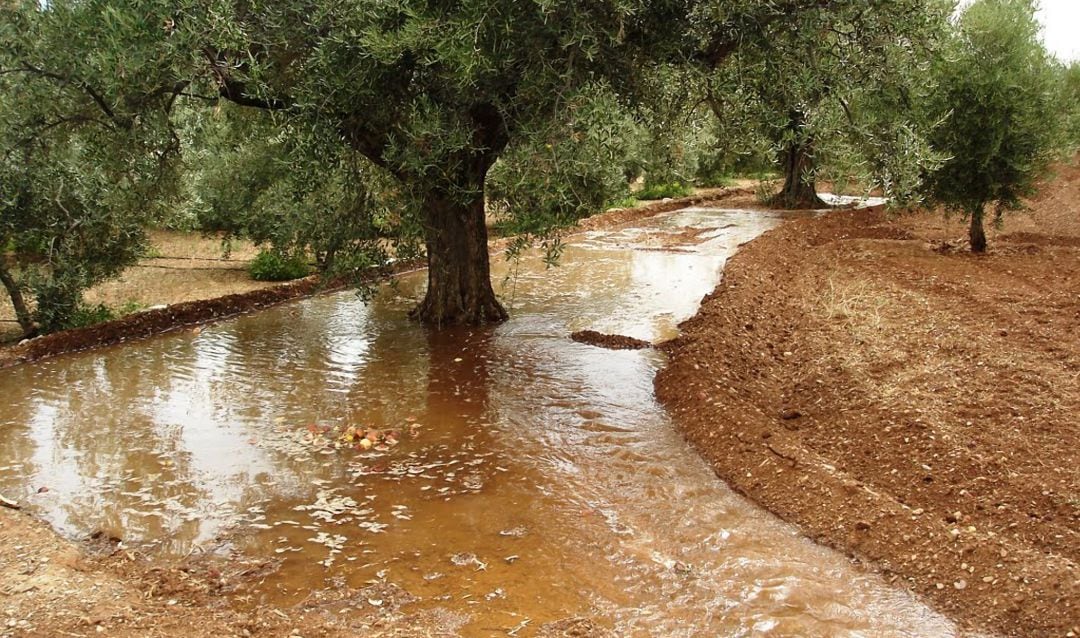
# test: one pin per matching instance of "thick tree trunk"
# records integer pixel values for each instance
(800, 190)
(976, 234)
(459, 272)
(22, 312)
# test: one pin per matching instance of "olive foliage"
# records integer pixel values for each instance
(433, 93)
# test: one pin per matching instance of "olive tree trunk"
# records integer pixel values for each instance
(800, 189)
(459, 288)
(22, 312)
(976, 234)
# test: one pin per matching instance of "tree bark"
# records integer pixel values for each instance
(459, 272)
(976, 234)
(22, 312)
(800, 189)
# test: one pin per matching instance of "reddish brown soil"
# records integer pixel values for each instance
(905, 401)
(611, 342)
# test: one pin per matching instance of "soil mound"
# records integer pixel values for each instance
(611, 342)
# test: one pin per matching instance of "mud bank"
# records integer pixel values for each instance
(905, 402)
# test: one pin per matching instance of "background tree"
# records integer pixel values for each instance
(1069, 101)
(565, 169)
(836, 84)
(301, 195)
(678, 134)
(997, 94)
(83, 162)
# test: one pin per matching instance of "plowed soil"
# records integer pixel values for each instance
(905, 401)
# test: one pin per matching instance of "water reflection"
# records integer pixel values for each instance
(533, 478)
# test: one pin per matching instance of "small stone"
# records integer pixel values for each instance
(862, 526)
(960, 584)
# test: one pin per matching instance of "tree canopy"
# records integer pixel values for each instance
(430, 92)
(357, 132)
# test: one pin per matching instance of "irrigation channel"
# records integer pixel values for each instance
(510, 478)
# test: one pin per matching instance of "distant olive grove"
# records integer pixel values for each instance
(345, 135)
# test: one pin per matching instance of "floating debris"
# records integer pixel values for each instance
(465, 559)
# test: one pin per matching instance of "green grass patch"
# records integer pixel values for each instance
(662, 191)
(625, 202)
(270, 265)
(90, 315)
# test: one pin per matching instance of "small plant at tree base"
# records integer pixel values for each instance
(624, 202)
(130, 307)
(662, 191)
(87, 315)
(765, 190)
(269, 265)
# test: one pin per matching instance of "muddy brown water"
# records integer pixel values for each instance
(535, 478)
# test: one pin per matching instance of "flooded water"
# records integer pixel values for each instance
(511, 476)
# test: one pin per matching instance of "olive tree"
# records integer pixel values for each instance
(996, 93)
(835, 80)
(1069, 101)
(83, 161)
(435, 93)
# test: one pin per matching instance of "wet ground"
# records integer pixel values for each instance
(509, 476)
